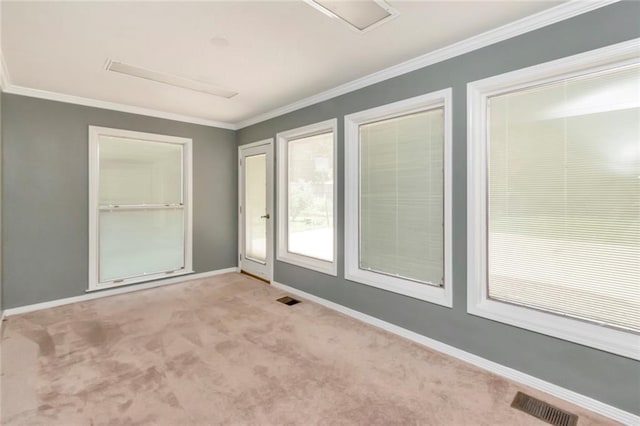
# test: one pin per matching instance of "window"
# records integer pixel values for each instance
(140, 207)
(398, 203)
(306, 196)
(554, 199)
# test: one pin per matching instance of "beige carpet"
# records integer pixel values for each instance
(223, 351)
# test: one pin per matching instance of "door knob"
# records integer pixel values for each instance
(266, 216)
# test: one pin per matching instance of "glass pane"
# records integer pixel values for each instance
(564, 198)
(137, 242)
(310, 200)
(139, 172)
(255, 182)
(402, 196)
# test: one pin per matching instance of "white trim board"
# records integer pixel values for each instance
(282, 203)
(112, 292)
(529, 23)
(441, 295)
(493, 367)
(96, 135)
(588, 332)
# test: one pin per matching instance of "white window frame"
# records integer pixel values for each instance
(430, 293)
(478, 303)
(283, 253)
(95, 133)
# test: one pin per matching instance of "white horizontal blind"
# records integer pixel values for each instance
(402, 197)
(142, 216)
(564, 198)
(310, 196)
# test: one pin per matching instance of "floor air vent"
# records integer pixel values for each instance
(288, 300)
(543, 411)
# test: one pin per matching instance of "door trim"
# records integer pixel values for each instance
(270, 198)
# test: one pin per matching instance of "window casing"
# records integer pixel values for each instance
(553, 201)
(398, 197)
(307, 207)
(139, 207)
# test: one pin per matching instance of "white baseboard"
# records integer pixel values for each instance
(509, 373)
(113, 291)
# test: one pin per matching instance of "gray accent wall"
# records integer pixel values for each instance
(45, 194)
(606, 377)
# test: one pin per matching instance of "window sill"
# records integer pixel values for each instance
(306, 262)
(594, 335)
(137, 280)
(429, 293)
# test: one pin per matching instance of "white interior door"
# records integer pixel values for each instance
(256, 209)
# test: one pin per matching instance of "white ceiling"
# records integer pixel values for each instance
(278, 52)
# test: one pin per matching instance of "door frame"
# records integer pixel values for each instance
(269, 144)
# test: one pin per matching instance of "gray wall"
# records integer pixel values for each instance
(45, 194)
(603, 376)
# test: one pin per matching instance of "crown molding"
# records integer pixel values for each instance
(530, 23)
(61, 97)
(7, 87)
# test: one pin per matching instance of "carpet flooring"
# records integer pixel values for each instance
(223, 351)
